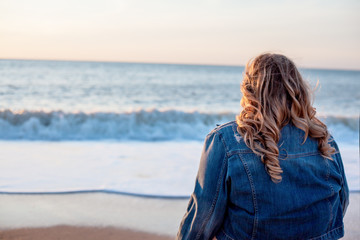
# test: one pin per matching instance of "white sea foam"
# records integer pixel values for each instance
(149, 168)
(165, 169)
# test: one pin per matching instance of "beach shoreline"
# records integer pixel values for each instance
(107, 216)
(153, 215)
(79, 233)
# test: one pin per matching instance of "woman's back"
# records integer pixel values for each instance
(275, 173)
(306, 204)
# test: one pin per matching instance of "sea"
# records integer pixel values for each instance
(136, 128)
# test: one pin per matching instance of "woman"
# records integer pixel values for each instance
(275, 173)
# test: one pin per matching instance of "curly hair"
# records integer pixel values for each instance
(275, 94)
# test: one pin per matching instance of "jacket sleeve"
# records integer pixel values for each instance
(344, 192)
(207, 205)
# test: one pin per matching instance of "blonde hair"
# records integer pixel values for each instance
(275, 94)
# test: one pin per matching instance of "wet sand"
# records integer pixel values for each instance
(78, 233)
(107, 216)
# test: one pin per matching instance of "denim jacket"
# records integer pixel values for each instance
(234, 197)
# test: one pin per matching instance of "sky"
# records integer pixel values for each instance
(315, 34)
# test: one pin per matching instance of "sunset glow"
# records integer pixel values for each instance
(321, 34)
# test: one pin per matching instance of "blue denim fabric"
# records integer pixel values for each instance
(234, 197)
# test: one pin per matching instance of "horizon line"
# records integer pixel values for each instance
(165, 63)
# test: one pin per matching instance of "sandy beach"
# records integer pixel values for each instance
(107, 216)
(73, 232)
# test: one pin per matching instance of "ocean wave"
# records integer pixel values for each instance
(147, 125)
(144, 125)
